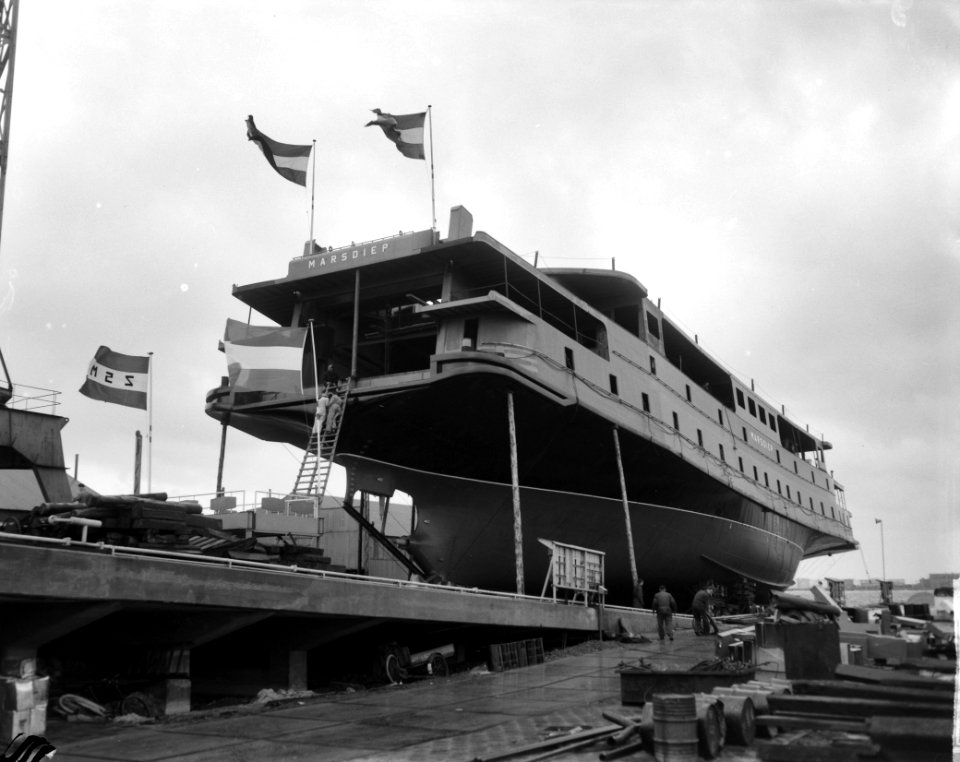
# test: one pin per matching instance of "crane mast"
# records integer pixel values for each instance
(8, 46)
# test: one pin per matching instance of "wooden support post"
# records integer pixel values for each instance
(626, 509)
(515, 477)
(356, 325)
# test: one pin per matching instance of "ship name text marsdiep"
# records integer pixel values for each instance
(357, 255)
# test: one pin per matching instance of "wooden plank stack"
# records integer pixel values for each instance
(132, 520)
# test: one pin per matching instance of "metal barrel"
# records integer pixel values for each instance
(711, 725)
(740, 720)
(675, 727)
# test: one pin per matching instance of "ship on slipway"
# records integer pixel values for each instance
(480, 382)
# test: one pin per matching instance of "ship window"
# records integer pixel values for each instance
(779, 489)
(752, 406)
(763, 414)
(756, 475)
(740, 462)
(740, 397)
(773, 423)
(778, 456)
(744, 430)
(699, 437)
(720, 415)
(766, 479)
(613, 384)
(799, 499)
(788, 492)
(813, 477)
(653, 325)
(821, 506)
(653, 365)
(676, 422)
(833, 514)
(645, 398)
(795, 469)
(568, 357)
(689, 398)
(722, 456)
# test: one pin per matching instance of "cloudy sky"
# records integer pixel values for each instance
(783, 176)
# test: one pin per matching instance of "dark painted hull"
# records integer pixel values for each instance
(465, 534)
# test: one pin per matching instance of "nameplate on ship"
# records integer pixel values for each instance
(360, 254)
(759, 441)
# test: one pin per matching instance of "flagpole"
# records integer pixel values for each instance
(313, 192)
(433, 197)
(150, 422)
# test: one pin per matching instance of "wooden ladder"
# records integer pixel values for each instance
(321, 448)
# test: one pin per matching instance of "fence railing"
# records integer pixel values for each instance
(33, 398)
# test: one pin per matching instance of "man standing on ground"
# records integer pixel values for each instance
(665, 606)
(702, 621)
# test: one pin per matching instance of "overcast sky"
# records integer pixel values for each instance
(783, 176)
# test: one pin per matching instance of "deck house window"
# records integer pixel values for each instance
(676, 422)
(813, 477)
(645, 399)
(653, 365)
(788, 493)
(613, 384)
(779, 490)
(689, 398)
(470, 332)
(773, 423)
(744, 430)
(778, 456)
(795, 469)
(752, 407)
(740, 397)
(756, 474)
(722, 456)
(720, 415)
(568, 357)
(653, 325)
(763, 414)
(699, 437)
(740, 462)
(766, 479)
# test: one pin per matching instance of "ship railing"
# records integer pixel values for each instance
(33, 398)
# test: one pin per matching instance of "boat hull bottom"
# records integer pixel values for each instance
(465, 535)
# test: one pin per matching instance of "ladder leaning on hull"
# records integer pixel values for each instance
(321, 447)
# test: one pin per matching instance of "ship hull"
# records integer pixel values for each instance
(465, 535)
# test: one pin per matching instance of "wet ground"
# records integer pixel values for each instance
(466, 716)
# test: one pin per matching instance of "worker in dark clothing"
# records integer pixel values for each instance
(665, 606)
(702, 621)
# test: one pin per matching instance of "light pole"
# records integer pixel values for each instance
(883, 556)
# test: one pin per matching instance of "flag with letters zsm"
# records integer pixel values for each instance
(117, 378)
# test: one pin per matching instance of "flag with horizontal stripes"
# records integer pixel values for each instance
(264, 358)
(121, 379)
(404, 130)
(290, 161)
